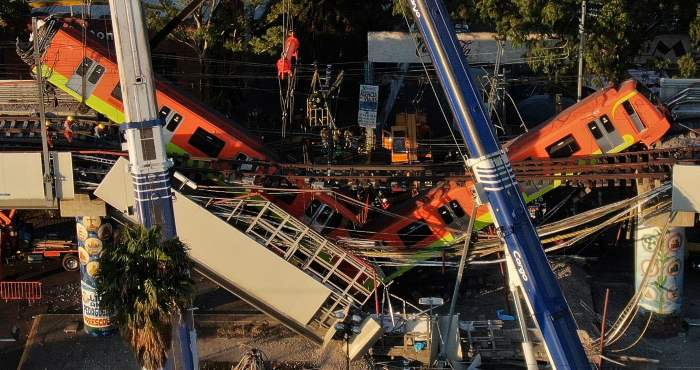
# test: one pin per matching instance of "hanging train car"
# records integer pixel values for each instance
(608, 121)
(87, 70)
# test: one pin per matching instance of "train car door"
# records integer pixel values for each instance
(319, 216)
(605, 133)
(634, 116)
(88, 72)
(453, 215)
(172, 122)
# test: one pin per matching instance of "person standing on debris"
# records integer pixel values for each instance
(68, 128)
(49, 129)
(100, 135)
(347, 138)
(539, 213)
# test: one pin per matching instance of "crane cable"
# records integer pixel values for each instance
(625, 320)
(86, 7)
(287, 98)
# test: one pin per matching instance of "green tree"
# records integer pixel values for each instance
(197, 31)
(332, 29)
(145, 279)
(14, 19)
(615, 31)
(688, 63)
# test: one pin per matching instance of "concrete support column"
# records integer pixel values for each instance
(94, 234)
(662, 295)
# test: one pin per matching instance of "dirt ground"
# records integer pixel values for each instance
(228, 328)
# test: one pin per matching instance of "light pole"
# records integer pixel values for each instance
(347, 326)
(433, 302)
(582, 31)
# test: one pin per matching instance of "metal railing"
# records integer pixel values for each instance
(30, 290)
(350, 280)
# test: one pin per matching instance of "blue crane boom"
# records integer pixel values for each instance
(496, 185)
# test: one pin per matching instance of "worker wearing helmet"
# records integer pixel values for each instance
(100, 135)
(68, 128)
(49, 140)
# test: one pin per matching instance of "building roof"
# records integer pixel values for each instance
(75, 8)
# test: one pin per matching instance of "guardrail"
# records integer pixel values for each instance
(30, 290)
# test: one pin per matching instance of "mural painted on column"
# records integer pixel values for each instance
(664, 291)
(93, 235)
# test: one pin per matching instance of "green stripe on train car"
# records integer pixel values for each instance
(92, 101)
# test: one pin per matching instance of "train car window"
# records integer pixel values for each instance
(647, 93)
(117, 92)
(96, 74)
(334, 223)
(245, 166)
(173, 122)
(325, 214)
(445, 215)
(206, 143)
(285, 196)
(634, 116)
(172, 119)
(531, 187)
(563, 148)
(451, 211)
(84, 67)
(457, 208)
(607, 124)
(312, 208)
(414, 233)
(593, 128)
(164, 111)
(399, 145)
(148, 147)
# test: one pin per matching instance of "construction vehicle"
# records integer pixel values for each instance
(20, 242)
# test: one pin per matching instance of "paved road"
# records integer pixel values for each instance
(61, 295)
(59, 287)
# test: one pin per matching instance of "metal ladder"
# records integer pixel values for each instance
(350, 280)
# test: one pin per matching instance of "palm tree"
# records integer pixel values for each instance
(145, 279)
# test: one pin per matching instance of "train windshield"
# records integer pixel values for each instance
(414, 233)
(117, 92)
(647, 93)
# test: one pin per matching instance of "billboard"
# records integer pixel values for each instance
(369, 102)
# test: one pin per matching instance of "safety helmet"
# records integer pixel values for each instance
(47, 122)
(101, 126)
(70, 118)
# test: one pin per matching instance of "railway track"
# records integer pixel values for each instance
(22, 132)
(622, 169)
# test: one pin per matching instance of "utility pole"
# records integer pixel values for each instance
(582, 32)
(48, 184)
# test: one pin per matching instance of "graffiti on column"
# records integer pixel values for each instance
(663, 293)
(93, 236)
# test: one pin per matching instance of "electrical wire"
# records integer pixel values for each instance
(626, 317)
(443, 111)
